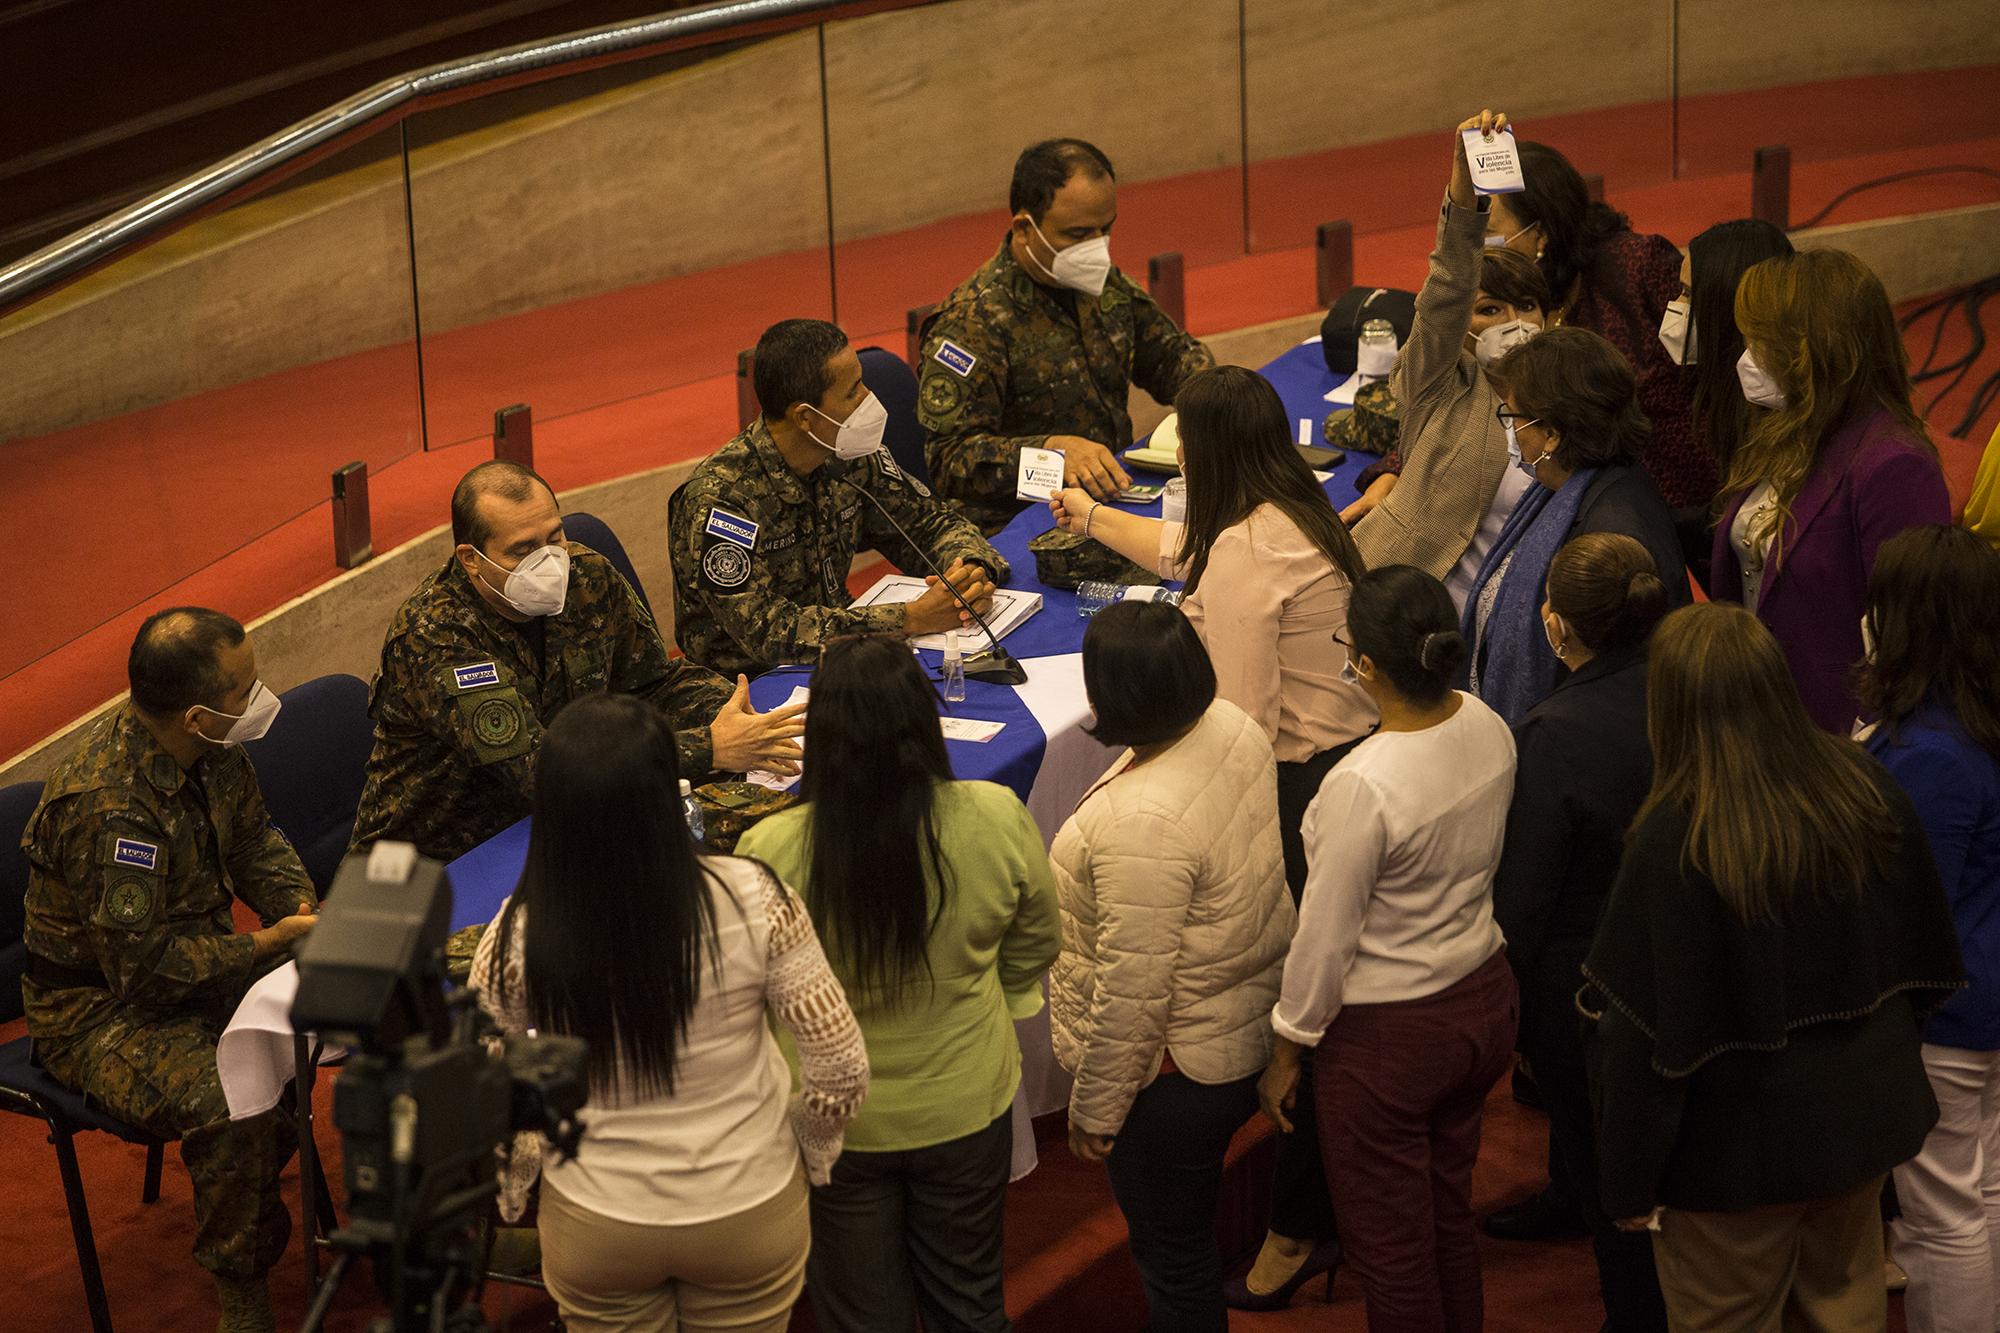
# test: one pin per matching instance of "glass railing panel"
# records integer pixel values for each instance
(589, 244)
(198, 393)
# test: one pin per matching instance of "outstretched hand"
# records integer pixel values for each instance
(744, 740)
(1487, 123)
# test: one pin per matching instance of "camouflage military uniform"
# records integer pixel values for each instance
(135, 964)
(464, 694)
(761, 554)
(1009, 362)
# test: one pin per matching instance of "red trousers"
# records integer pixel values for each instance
(1400, 1089)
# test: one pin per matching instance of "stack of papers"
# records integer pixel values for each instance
(1010, 608)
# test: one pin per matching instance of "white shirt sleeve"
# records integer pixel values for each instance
(1346, 839)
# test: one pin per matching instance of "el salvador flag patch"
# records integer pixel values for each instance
(476, 675)
(132, 852)
(732, 528)
(954, 358)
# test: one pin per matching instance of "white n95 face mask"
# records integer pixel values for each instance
(1677, 332)
(858, 436)
(539, 585)
(259, 712)
(1495, 342)
(1084, 267)
(1758, 386)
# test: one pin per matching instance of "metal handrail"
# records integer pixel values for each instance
(297, 146)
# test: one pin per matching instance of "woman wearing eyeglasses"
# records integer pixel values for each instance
(1570, 408)
(938, 913)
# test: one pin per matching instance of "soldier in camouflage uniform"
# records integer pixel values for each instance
(762, 536)
(487, 650)
(142, 838)
(1041, 346)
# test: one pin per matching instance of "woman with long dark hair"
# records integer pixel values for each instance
(1775, 935)
(1699, 329)
(1932, 678)
(1836, 462)
(1269, 566)
(687, 1202)
(935, 902)
(1398, 976)
(1615, 282)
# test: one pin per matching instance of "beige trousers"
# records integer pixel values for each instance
(742, 1272)
(1782, 1269)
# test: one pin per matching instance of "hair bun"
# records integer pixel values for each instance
(1441, 652)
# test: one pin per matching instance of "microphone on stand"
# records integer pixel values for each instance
(996, 664)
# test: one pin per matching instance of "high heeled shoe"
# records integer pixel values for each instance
(1324, 1259)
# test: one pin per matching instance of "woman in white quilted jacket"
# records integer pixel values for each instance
(1175, 921)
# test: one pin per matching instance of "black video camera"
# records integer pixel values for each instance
(431, 1091)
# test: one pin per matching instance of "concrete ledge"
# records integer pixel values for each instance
(1917, 255)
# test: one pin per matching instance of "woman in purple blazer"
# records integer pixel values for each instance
(1836, 462)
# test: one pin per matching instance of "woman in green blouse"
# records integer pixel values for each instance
(934, 902)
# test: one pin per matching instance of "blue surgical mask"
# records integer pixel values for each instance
(1514, 447)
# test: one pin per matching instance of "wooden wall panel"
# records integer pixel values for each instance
(1728, 45)
(929, 108)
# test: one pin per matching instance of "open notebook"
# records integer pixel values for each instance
(1010, 608)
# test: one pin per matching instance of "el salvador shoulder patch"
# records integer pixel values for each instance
(475, 676)
(731, 528)
(954, 358)
(135, 852)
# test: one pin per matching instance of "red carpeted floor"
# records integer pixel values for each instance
(1066, 1260)
(219, 499)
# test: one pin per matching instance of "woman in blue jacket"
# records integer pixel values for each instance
(1932, 677)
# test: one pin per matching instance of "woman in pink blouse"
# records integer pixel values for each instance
(686, 1205)
(1269, 567)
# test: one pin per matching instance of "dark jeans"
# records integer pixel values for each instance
(898, 1233)
(1299, 1206)
(1166, 1173)
(1552, 1039)
(1401, 1090)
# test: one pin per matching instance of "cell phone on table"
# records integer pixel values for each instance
(1140, 495)
(1318, 456)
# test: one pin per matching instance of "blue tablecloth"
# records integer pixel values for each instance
(484, 876)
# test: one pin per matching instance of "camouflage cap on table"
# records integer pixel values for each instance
(1370, 425)
(1065, 559)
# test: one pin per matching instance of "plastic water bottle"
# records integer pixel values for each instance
(1375, 354)
(691, 809)
(1093, 595)
(1173, 501)
(954, 669)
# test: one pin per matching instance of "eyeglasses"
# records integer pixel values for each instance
(1504, 417)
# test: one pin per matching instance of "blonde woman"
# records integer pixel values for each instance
(1836, 462)
(1776, 932)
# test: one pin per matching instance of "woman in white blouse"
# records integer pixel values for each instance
(1396, 977)
(1269, 567)
(686, 1205)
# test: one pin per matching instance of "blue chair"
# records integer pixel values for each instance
(311, 766)
(595, 533)
(891, 382)
(26, 1090)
